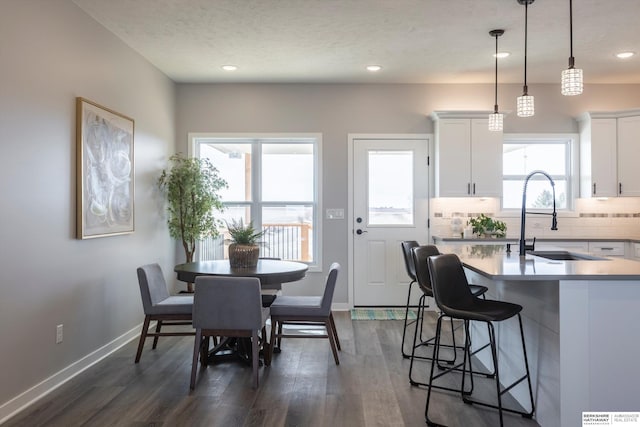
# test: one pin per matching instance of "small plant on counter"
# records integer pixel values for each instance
(487, 226)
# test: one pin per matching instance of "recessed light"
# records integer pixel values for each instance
(625, 55)
(374, 68)
(229, 67)
(500, 55)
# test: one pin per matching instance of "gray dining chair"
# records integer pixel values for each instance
(229, 307)
(307, 310)
(158, 305)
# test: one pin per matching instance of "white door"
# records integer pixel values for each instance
(390, 204)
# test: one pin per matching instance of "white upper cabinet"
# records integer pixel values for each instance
(609, 149)
(628, 156)
(468, 157)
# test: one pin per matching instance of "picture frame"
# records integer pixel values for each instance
(104, 171)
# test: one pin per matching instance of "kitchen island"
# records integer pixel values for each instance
(581, 322)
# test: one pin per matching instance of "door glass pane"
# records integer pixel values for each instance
(287, 172)
(233, 161)
(390, 187)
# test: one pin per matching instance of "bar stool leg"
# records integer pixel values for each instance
(434, 356)
(406, 322)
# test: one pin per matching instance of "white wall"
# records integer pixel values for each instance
(337, 110)
(51, 52)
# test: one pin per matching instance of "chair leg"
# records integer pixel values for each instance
(419, 316)
(197, 345)
(335, 331)
(254, 357)
(327, 325)
(155, 339)
(434, 357)
(272, 341)
(279, 336)
(266, 348)
(143, 336)
(526, 365)
(406, 317)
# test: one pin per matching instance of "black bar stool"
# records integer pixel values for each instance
(454, 299)
(420, 255)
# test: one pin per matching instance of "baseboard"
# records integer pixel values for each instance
(340, 306)
(12, 407)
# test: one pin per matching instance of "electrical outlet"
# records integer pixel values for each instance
(59, 334)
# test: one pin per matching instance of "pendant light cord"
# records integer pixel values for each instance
(495, 105)
(526, 20)
(571, 60)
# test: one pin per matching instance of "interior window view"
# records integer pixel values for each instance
(258, 172)
(320, 213)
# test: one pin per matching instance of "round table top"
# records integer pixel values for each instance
(269, 271)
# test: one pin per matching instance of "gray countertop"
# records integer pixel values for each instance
(492, 261)
(633, 239)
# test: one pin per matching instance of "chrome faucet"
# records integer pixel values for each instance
(554, 221)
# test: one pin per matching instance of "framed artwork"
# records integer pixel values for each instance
(104, 171)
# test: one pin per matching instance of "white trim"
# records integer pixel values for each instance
(461, 114)
(340, 306)
(350, 158)
(12, 407)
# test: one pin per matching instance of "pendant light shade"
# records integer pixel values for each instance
(572, 81)
(525, 104)
(496, 119)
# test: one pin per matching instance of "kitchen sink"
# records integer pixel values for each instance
(565, 256)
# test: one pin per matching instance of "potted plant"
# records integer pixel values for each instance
(244, 248)
(485, 226)
(191, 186)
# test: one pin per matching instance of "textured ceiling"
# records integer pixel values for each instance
(415, 41)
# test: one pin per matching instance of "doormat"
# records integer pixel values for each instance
(380, 314)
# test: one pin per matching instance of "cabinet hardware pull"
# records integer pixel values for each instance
(474, 188)
(594, 188)
(468, 188)
(620, 188)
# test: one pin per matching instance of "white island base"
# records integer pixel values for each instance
(582, 332)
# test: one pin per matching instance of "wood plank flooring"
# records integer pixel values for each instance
(303, 387)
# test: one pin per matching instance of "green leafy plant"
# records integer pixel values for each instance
(484, 225)
(243, 234)
(191, 186)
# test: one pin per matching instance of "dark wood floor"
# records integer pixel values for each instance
(302, 387)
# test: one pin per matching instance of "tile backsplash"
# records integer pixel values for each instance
(611, 218)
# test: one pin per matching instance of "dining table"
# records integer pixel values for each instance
(270, 272)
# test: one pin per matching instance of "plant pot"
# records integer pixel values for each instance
(243, 256)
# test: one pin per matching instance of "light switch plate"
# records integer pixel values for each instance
(335, 213)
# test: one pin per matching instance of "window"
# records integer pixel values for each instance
(273, 181)
(521, 157)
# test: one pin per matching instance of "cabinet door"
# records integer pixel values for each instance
(486, 160)
(628, 155)
(453, 158)
(598, 158)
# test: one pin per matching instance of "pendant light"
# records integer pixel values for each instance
(525, 103)
(571, 77)
(495, 119)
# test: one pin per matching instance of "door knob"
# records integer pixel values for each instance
(358, 231)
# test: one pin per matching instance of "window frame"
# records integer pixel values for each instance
(256, 204)
(571, 168)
